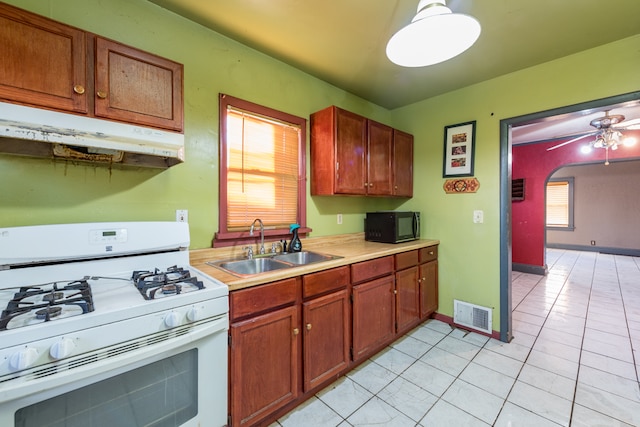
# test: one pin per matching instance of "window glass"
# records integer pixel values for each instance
(261, 170)
(559, 204)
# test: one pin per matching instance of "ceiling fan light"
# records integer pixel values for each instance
(434, 35)
(599, 142)
(629, 141)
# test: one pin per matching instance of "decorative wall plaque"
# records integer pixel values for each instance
(461, 185)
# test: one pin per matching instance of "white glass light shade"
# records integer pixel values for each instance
(434, 35)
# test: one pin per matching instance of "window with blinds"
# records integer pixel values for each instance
(261, 169)
(559, 205)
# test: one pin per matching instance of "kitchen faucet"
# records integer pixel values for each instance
(261, 233)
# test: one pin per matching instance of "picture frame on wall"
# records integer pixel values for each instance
(459, 149)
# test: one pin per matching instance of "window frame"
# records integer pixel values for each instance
(224, 237)
(570, 204)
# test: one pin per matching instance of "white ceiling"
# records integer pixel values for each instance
(343, 42)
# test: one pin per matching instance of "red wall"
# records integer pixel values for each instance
(534, 163)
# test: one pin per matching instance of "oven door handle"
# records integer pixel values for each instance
(101, 365)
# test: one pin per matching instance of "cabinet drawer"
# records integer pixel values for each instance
(324, 281)
(253, 301)
(430, 253)
(406, 259)
(371, 269)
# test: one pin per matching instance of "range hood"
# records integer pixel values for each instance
(36, 132)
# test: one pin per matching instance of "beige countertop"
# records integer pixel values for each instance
(351, 247)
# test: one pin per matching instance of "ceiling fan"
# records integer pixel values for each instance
(608, 134)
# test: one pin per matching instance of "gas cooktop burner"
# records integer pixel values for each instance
(155, 284)
(42, 303)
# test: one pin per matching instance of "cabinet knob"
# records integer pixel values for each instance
(308, 326)
(424, 279)
(101, 94)
(79, 89)
(296, 331)
(431, 253)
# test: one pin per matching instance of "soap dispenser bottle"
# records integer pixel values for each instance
(295, 245)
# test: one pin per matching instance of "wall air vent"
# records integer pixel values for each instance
(517, 190)
(472, 316)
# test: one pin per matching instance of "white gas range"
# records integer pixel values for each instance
(108, 324)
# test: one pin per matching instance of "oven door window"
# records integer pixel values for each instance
(163, 393)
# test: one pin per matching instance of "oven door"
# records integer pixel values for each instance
(172, 378)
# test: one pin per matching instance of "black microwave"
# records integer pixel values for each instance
(391, 226)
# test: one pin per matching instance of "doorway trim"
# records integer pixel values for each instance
(505, 192)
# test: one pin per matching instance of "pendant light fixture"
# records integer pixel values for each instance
(434, 35)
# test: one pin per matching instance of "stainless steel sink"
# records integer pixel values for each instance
(270, 262)
(252, 266)
(304, 257)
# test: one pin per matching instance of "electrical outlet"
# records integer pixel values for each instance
(182, 215)
(478, 217)
(339, 219)
(593, 243)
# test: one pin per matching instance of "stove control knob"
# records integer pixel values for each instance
(62, 348)
(172, 320)
(193, 314)
(23, 358)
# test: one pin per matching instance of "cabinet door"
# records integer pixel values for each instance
(407, 299)
(137, 87)
(351, 144)
(373, 315)
(428, 288)
(326, 337)
(402, 164)
(42, 62)
(263, 365)
(379, 152)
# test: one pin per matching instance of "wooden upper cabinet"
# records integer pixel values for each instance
(51, 65)
(44, 63)
(138, 87)
(350, 148)
(379, 151)
(402, 164)
(352, 155)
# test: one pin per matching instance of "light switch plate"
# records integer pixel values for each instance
(182, 215)
(478, 217)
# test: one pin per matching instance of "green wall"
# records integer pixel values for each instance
(36, 191)
(469, 267)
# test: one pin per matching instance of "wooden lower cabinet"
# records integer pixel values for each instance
(407, 299)
(325, 337)
(263, 365)
(291, 337)
(428, 281)
(373, 316)
(428, 288)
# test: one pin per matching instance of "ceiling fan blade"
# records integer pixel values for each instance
(570, 141)
(630, 125)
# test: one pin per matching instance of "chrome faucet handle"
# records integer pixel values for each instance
(274, 247)
(249, 250)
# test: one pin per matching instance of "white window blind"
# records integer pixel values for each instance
(262, 170)
(558, 204)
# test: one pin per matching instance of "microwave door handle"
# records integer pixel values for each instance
(415, 224)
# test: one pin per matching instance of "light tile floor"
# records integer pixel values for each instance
(574, 360)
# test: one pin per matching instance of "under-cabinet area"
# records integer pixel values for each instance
(295, 331)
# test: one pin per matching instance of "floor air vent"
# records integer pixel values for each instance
(472, 316)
